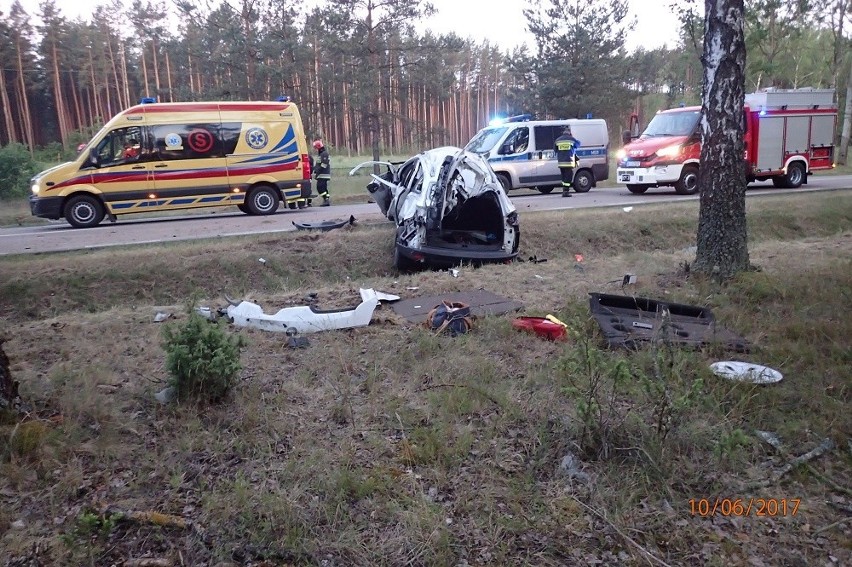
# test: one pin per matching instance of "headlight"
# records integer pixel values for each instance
(669, 151)
(34, 188)
(620, 154)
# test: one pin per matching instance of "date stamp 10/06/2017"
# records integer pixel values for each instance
(744, 507)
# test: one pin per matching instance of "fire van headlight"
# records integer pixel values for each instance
(669, 151)
(34, 188)
(620, 154)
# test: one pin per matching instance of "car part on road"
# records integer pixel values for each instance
(746, 372)
(325, 225)
(481, 303)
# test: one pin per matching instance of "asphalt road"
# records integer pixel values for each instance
(58, 236)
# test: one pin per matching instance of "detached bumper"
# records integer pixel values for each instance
(46, 207)
(657, 175)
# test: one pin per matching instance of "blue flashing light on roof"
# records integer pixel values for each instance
(147, 100)
(520, 118)
(762, 112)
(588, 115)
(682, 104)
(496, 121)
(283, 98)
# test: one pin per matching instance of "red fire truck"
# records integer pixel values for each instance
(788, 134)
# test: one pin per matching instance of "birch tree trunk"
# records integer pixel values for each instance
(722, 236)
(847, 120)
(7, 110)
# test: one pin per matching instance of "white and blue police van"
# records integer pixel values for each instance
(521, 151)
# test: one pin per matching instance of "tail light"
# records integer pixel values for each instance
(306, 167)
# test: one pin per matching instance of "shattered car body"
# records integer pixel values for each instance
(448, 206)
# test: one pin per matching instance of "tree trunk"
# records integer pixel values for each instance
(722, 235)
(847, 120)
(8, 387)
(7, 110)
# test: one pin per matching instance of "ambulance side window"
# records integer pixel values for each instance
(186, 141)
(230, 132)
(122, 145)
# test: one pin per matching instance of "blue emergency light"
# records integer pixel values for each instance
(283, 98)
(147, 100)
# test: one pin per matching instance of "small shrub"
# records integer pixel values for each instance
(17, 167)
(202, 358)
(27, 438)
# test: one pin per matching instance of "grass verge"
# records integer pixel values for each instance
(388, 445)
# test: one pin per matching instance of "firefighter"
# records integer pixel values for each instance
(322, 173)
(566, 158)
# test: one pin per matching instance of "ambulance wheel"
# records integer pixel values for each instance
(795, 175)
(583, 181)
(637, 189)
(688, 182)
(546, 190)
(84, 211)
(242, 207)
(263, 200)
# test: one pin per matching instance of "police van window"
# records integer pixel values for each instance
(122, 145)
(186, 141)
(485, 139)
(545, 137)
(516, 142)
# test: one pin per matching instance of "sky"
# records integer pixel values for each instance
(500, 21)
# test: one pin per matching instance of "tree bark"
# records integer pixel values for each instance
(8, 387)
(847, 120)
(722, 235)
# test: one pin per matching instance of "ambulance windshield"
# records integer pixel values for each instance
(485, 139)
(673, 123)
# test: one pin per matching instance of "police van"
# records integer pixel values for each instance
(169, 156)
(521, 152)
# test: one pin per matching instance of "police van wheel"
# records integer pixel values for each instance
(263, 200)
(583, 181)
(84, 211)
(505, 182)
(546, 190)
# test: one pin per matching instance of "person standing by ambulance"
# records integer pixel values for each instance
(322, 173)
(566, 158)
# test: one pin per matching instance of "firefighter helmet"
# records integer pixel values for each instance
(317, 144)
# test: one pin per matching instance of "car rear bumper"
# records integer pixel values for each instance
(46, 207)
(444, 257)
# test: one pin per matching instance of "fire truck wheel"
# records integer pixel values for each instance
(637, 189)
(688, 182)
(795, 175)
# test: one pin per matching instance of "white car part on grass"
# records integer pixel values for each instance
(307, 319)
(746, 372)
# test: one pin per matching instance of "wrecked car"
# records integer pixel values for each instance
(449, 207)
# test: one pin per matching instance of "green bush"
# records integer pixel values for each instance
(17, 167)
(202, 358)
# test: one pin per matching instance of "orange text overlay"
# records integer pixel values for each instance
(744, 507)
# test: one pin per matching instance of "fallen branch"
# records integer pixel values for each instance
(148, 562)
(148, 517)
(647, 554)
(479, 391)
(821, 449)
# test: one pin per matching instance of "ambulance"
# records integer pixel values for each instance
(788, 134)
(157, 157)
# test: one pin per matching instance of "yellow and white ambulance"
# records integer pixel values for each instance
(168, 156)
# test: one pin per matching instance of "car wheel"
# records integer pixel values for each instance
(688, 182)
(84, 211)
(263, 200)
(795, 175)
(546, 190)
(637, 189)
(583, 181)
(505, 181)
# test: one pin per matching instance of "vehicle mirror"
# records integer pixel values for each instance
(626, 136)
(94, 159)
(507, 149)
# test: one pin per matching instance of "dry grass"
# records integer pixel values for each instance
(390, 446)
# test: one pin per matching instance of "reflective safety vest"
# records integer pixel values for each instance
(566, 150)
